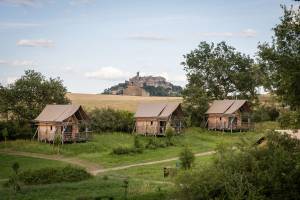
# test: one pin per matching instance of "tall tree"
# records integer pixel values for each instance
(24, 99)
(222, 71)
(280, 60)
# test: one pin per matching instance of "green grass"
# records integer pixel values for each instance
(155, 172)
(99, 150)
(25, 163)
(94, 187)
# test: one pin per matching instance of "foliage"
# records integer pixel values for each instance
(265, 113)
(289, 119)
(13, 180)
(169, 134)
(221, 71)
(4, 134)
(195, 104)
(217, 72)
(126, 150)
(107, 119)
(186, 158)
(24, 99)
(249, 172)
(137, 143)
(57, 142)
(280, 60)
(53, 175)
(16, 129)
(155, 143)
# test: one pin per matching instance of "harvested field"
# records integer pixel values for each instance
(129, 103)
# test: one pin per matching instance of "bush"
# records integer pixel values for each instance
(126, 150)
(107, 119)
(265, 113)
(186, 158)
(53, 175)
(16, 129)
(169, 134)
(289, 119)
(252, 172)
(154, 144)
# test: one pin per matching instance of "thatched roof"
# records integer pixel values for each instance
(156, 110)
(59, 113)
(225, 106)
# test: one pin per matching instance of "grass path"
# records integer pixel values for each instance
(148, 163)
(92, 167)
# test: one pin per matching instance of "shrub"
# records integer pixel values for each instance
(289, 119)
(107, 119)
(53, 175)
(16, 129)
(265, 113)
(249, 172)
(154, 144)
(126, 150)
(13, 180)
(169, 134)
(121, 150)
(186, 158)
(137, 143)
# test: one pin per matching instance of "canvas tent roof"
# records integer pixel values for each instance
(161, 110)
(225, 106)
(58, 113)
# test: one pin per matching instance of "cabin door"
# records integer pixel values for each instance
(162, 126)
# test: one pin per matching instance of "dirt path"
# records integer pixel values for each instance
(148, 163)
(92, 167)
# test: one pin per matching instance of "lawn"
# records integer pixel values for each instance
(25, 163)
(94, 187)
(99, 150)
(155, 172)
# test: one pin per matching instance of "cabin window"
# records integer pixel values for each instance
(151, 123)
(51, 128)
(220, 118)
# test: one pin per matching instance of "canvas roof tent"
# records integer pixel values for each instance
(225, 106)
(156, 110)
(59, 113)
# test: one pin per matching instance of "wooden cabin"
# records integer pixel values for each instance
(229, 115)
(68, 121)
(152, 118)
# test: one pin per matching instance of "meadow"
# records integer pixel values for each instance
(145, 182)
(129, 103)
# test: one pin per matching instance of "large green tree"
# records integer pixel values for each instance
(222, 71)
(24, 99)
(217, 72)
(280, 59)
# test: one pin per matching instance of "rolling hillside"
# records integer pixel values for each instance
(129, 103)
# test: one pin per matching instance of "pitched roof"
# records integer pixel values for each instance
(161, 110)
(225, 106)
(57, 113)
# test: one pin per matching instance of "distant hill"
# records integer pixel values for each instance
(151, 85)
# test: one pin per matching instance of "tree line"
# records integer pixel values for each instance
(219, 71)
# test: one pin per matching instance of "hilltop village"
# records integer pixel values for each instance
(145, 86)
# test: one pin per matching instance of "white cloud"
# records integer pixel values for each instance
(108, 73)
(21, 2)
(17, 25)
(17, 63)
(35, 43)
(80, 2)
(148, 37)
(245, 33)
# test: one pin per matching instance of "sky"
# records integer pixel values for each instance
(94, 44)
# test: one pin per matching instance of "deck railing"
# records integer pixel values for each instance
(80, 136)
